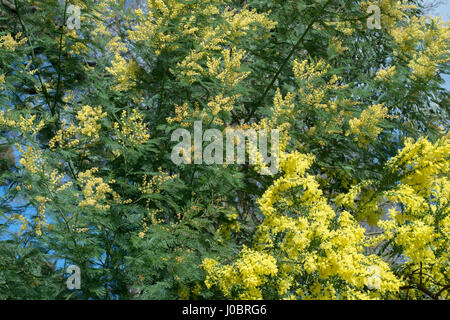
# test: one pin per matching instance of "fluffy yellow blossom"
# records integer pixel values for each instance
(435, 40)
(65, 137)
(69, 135)
(420, 162)
(250, 272)
(423, 41)
(11, 43)
(231, 225)
(31, 159)
(131, 128)
(230, 75)
(419, 224)
(40, 218)
(123, 71)
(307, 71)
(241, 21)
(25, 125)
(337, 45)
(88, 120)
(366, 128)
(95, 190)
(315, 241)
(221, 103)
(154, 184)
(78, 48)
(385, 74)
(181, 113)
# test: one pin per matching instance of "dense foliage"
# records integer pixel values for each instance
(358, 210)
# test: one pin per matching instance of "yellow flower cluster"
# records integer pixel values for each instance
(392, 11)
(56, 181)
(216, 54)
(78, 48)
(157, 25)
(88, 125)
(229, 75)
(123, 71)
(145, 221)
(24, 224)
(337, 45)
(189, 67)
(417, 239)
(55, 185)
(31, 159)
(366, 128)
(10, 43)
(220, 103)
(249, 273)
(315, 241)
(433, 37)
(40, 218)
(29, 125)
(314, 88)
(435, 40)
(5, 120)
(25, 125)
(181, 113)
(88, 120)
(385, 74)
(419, 220)
(243, 20)
(153, 25)
(154, 184)
(95, 190)
(283, 107)
(348, 199)
(131, 129)
(308, 71)
(65, 137)
(231, 225)
(148, 187)
(420, 162)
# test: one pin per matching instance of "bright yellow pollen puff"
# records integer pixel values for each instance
(65, 137)
(131, 129)
(250, 272)
(25, 125)
(366, 128)
(423, 41)
(31, 159)
(419, 219)
(385, 74)
(10, 43)
(88, 121)
(181, 113)
(312, 242)
(95, 190)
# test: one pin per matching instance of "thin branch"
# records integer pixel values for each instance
(294, 48)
